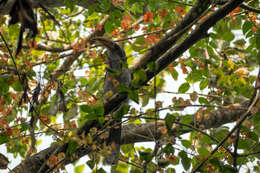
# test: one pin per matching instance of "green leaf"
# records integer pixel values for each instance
(170, 170)
(203, 151)
(71, 113)
(185, 161)
(91, 164)
(168, 149)
(152, 66)
(69, 4)
(133, 95)
(139, 76)
(162, 163)
(109, 26)
(100, 170)
(246, 27)
(174, 74)
(93, 111)
(145, 100)
(169, 119)
(72, 147)
(101, 120)
(17, 86)
(203, 84)
(206, 140)
(4, 138)
(228, 36)
(243, 144)
(104, 5)
(184, 87)
(186, 119)
(186, 143)
(124, 108)
(79, 168)
(4, 84)
(145, 156)
(194, 76)
(203, 100)
(228, 169)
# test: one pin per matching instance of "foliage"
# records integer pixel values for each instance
(215, 72)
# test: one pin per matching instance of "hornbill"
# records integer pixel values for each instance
(117, 72)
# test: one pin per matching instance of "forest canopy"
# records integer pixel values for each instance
(194, 91)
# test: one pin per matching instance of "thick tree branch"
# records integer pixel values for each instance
(210, 120)
(174, 35)
(44, 48)
(133, 133)
(199, 33)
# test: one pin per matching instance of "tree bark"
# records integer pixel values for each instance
(133, 133)
(143, 132)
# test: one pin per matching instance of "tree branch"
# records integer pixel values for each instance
(171, 37)
(141, 133)
(133, 133)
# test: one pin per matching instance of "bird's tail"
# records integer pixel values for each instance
(114, 142)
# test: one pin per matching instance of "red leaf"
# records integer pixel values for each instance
(148, 16)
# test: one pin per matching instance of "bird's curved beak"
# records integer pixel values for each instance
(104, 41)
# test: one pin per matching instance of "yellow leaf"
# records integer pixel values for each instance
(231, 64)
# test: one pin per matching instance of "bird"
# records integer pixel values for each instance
(116, 72)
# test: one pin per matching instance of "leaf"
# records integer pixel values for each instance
(108, 26)
(4, 138)
(145, 156)
(174, 74)
(133, 95)
(69, 4)
(243, 144)
(170, 170)
(72, 147)
(71, 113)
(228, 36)
(203, 84)
(79, 168)
(186, 162)
(4, 85)
(203, 151)
(228, 169)
(186, 143)
(124, 108)
(104, 5)
(162, 163)
(246, 27)
(203, 100)
(184, 88)
(168, 149)
(91, 164)
(152, 66)
(17, 86)
(186, 119)
(100, 170)
(169, 119)
(92, 111)
(145, 100)
(139, 76)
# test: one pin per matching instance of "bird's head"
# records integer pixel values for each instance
(113, 48)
